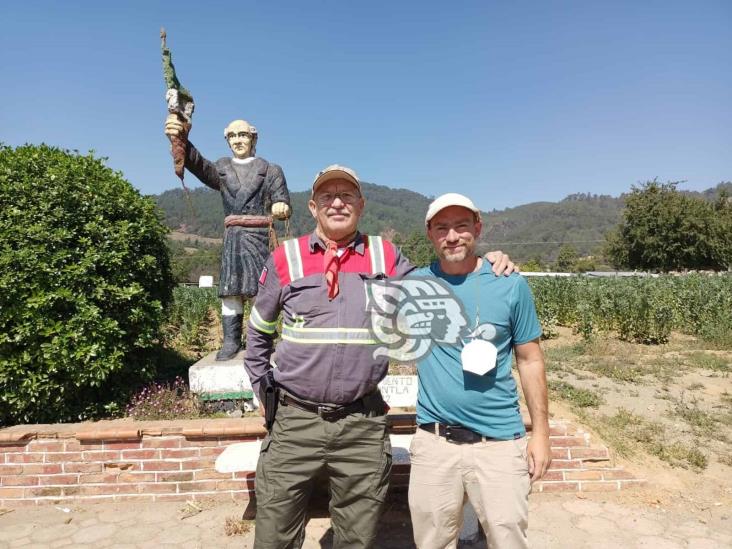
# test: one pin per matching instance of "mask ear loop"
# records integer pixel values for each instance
(477, 301)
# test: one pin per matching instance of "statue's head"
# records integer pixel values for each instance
(242, 138)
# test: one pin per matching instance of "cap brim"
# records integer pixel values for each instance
(336, 174)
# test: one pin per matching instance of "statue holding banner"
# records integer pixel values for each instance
(253, 191)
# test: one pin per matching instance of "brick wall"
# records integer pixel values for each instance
(164, 461)
(146, 463)
(579, 467)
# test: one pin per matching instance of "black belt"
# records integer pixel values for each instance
(329, 412)
(454, 433)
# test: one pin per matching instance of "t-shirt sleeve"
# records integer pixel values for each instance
(525, 324)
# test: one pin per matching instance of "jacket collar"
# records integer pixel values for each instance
(357, 243)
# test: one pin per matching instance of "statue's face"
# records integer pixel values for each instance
(241, 138)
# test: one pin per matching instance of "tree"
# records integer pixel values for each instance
(566, 258)
(664, 230)
(723, 229)
(532, 266)
(84, 278)
(584, 264)
(416, 247)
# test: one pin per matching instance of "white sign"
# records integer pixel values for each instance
(399, 391)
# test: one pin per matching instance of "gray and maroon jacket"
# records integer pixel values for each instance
(326, 354)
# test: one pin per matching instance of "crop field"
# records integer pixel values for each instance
(641, 310)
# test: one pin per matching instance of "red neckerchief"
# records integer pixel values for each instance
(331, 265)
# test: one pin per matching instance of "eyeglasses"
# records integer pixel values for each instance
(326, 199)
(242, 135)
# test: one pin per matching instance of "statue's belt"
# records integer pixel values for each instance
(253, 221)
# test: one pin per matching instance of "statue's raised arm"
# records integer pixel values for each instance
(180, 103)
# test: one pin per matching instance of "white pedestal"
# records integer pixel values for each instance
(224, 380)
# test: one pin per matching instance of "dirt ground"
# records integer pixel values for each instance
(664, 411)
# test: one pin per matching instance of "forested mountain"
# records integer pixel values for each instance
(535, 230)
(398, 209)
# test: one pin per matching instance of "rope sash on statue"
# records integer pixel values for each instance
(262, 221)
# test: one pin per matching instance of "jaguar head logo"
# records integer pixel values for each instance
(408, 316)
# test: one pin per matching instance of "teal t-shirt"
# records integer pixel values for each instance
(500, 310)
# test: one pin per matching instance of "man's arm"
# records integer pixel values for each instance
(530, 362)
(262, 324)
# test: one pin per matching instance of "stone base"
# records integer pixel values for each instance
(220, 380)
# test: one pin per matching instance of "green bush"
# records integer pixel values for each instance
(84, 279)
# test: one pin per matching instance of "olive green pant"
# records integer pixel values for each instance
(353, 452)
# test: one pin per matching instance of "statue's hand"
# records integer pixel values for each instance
(280, 210)
(174, 127)
(502, 264)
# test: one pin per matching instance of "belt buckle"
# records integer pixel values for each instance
(325, 411)
(456, 434)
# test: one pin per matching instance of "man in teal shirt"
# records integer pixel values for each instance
(471, 439)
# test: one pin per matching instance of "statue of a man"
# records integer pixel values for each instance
(249, 186)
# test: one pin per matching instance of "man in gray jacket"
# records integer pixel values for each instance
(250, 187)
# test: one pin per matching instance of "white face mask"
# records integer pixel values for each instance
(479, 357)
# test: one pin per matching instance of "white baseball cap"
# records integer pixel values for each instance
(447, 200)
(335, 171)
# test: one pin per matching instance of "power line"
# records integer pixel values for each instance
(543, 242)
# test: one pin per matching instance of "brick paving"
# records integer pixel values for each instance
(592, 521)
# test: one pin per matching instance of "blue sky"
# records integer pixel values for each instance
(508, 102)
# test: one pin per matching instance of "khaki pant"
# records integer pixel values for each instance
(355, 454)
(493, 475)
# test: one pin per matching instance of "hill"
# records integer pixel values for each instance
(534, 230)
(399, 209)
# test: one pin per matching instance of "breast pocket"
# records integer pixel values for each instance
(307, 300)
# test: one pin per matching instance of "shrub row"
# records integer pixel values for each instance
(643, 310)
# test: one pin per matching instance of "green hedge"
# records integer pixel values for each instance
(84, 279)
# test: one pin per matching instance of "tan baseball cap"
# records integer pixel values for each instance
(447, 200)
(335, 171)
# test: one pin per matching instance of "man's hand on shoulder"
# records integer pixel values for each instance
(501, 263)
